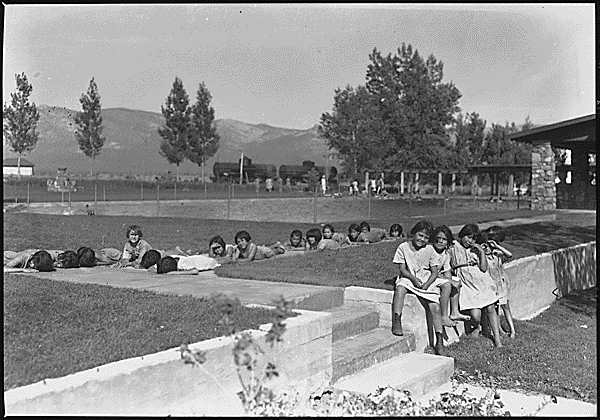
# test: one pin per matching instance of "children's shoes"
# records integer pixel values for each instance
(397, 324)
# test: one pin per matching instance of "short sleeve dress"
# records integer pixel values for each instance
(419, 262)
(478, 288)
(496, 270)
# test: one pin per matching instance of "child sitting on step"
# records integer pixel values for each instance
(419, 266)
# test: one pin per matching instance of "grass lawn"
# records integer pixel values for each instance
(53, 328)
(554, 353)
(371, 265)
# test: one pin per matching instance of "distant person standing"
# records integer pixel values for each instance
(323, 184)
(269, 183)
(373, 186)
(355, 187)
(257, 183)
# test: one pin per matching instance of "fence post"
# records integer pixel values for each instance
(519, 197)
(175, 191)
(69, 200)
(445, 199)
(142, 190)
(315, 206)
(410, 188)
(232, 190)
(158, 200)
(62, 197)
(498, 191)
(96, 196)
(205, 190)
(104, 191)
(369, 213)
(229, 201)
(28, 193)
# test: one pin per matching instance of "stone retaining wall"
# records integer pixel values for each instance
(161, 384)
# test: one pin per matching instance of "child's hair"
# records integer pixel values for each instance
(422, 226)
(134, 229)
(296, 232)
(496, 233)
(330, 227)
(396, 227)
(166, 265)
(42, 261)
(68, 259)
(217, 239)
(242, 234)
(469, 229)
(446, 230)
(314, 233)
(86, 257)
(365, 225)
(150, 258)
(481, 237)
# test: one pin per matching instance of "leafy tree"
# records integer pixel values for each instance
(19, 121)
(355, 129)
(203, 140)
(176, 110)
(468, 147)
(416, 107)
(89, 124)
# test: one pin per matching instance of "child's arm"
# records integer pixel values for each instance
(507, 254)
(483, 264)
(251, 253)
(405, 272)
(434, 275)
(191, 271)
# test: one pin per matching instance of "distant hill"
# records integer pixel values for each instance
(132, 143)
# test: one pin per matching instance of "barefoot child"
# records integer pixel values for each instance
(497, 256)
(442, 240)
(478, 289)
(419, 265)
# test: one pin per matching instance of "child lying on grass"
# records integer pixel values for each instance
(247, 251)
(370, 235)
(30, 260)
(296, 242)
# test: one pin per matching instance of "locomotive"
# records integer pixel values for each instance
(230, 171)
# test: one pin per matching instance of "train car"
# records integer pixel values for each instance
(298, 173)
(224, 171)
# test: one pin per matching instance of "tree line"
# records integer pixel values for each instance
(189, 131)
(405, 116)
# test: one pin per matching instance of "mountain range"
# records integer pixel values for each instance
(132, 144)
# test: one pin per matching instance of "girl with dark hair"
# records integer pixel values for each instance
(67, 259)
(23, 259)
(313, 237)
(247, 251)
(296, 241)
(354, 231)
(470, 264)
(220, 251)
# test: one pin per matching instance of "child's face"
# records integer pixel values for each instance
(295, 240)
(134, 237)
(440, 242)
(364, 229)
(354, 234)
(311, 240)
(420, 239)
(217, 248)
(395, 233)
(467, 241)
(241, 243)
(327, 233)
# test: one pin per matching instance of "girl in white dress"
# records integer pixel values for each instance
(478, 290)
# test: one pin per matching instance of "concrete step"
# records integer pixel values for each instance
(356, 353)
(418, 373)
(328, 298)
(352, 320)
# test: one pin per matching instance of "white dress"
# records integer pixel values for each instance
(478, 289)
(419, 262)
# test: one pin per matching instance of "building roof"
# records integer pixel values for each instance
(14, 162)
(569, 134)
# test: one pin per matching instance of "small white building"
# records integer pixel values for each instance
(10, 167)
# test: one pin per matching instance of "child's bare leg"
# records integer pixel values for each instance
(437, 327)
(397, 305)
(476, 321)
(509, 319)
(492, 315)
(455, 315)
(444, 299)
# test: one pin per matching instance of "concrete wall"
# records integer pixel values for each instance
(535, 282)
(161, 384)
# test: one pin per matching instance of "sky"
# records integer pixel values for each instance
(280, 64)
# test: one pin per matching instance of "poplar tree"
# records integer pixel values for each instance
(88, 124)
(203, 140)
(19, 121)
(176, 110)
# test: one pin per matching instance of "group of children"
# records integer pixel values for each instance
(463, 275)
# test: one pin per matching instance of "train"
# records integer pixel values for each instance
(230, 171)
